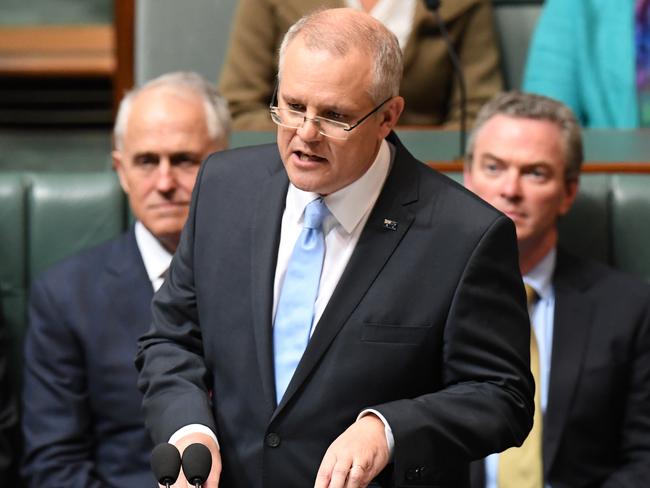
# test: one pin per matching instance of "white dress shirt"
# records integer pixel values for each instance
(396, 15)
(155, 257)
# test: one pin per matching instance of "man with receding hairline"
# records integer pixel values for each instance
(82, 422)
(405, 360)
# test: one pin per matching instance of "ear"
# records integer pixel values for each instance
(119, 167)
(570, 194)
(390, 115)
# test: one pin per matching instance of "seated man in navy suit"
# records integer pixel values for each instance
(82, 423)
(591, 324)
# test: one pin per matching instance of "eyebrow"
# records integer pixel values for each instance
(541, 162)
(333, 107)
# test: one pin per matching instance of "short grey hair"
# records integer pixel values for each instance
(217, 115)
(537, 107)
(323, 29)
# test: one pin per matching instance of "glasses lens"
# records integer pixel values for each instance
(294, 120)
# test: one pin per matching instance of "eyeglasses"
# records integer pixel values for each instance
(295, 119)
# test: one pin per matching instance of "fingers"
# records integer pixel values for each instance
(355, 457)
(343, 474)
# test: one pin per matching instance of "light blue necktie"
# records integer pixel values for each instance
(295, 312)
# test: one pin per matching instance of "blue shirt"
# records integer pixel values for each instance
(541, 317)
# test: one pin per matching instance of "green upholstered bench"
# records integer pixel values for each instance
(45, 217)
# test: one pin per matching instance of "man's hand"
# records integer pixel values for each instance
(215, 471)
(355, 457)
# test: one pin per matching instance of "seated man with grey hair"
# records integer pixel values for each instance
(590, 324)
(82, 423)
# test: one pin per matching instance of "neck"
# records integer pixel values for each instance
(530, 254)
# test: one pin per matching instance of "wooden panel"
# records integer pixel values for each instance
(124, 42)
(83, 50)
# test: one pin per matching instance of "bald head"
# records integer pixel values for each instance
(339, 31)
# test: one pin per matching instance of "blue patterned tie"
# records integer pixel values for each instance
(295, 312)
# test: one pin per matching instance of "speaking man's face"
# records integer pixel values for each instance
(518, 166)
(318, 83)
(165, 140)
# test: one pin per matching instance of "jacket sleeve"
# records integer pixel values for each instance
(173, 373)
(552, 65)
(249, 69)
(485, 404)
(479, 56)
(57, 423)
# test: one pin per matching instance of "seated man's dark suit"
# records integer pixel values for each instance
(82, 421)
(596, 430)
(427, 325)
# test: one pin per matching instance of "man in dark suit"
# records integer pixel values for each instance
(591, 323)
(82, 422)
(414, 357)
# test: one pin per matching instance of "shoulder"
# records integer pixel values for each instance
(600, 280)
(76, 271)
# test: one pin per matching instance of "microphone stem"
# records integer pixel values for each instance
(458, 70)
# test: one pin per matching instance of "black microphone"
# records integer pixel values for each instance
(197, 462)
(165, 463)
(433, 6)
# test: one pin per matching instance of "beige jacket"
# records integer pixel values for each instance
(429, 85)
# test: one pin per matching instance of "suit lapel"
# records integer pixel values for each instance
(125, 280)
(375, 246)
(266, 241)
(571, 329)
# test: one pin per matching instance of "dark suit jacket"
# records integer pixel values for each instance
(427, 324)
(82, 421)
(597, 421)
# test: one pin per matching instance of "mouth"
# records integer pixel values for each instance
(307, 157)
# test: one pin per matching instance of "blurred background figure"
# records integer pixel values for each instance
(82, 424)
(8, 413)
(590, 335)
(429, 86)
(595, 57)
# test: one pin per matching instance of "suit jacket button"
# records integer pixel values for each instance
(272, 439)
(414, 474)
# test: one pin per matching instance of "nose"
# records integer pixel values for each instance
(511, 187)
(309, 130)
(166, 179)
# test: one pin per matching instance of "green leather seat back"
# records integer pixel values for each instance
(13, 235)
(630, 223)
(71, 212)
(585, 229)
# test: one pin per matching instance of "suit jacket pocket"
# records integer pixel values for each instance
(393, 333)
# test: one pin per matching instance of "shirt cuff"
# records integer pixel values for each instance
(388, 432)
(193, 429)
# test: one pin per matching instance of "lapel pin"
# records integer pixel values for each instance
(390, 224)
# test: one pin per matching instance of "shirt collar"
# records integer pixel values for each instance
(349, 204)
(541, 276)
(155, 257)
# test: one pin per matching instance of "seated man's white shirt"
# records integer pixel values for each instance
(155, 257)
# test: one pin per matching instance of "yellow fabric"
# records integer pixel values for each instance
(521, 467)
